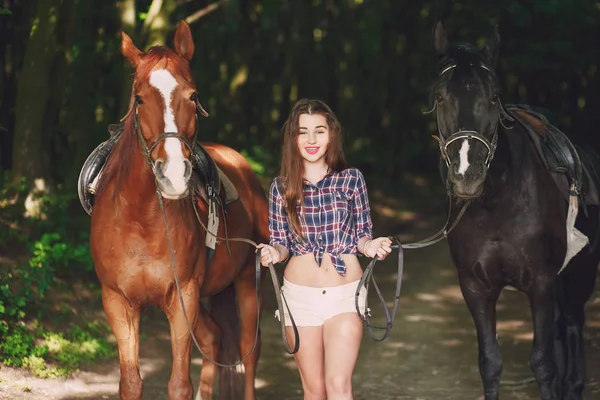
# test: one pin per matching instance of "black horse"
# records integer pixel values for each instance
(514, 230)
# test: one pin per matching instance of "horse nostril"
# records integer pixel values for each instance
(455, 174)
(159, 167)
(188, 169)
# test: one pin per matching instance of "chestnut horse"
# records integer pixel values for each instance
(129, 244)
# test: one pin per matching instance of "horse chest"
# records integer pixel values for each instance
(498, 251)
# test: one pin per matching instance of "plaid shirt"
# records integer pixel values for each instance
(336, 215)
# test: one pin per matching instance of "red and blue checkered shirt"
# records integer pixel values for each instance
(335, 216)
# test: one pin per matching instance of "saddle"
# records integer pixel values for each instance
(209, 182)
(573, 168)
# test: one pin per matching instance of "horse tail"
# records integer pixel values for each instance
(223, 310)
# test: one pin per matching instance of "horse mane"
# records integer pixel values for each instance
(116, 169)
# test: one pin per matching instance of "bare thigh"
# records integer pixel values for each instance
(342, 336)
(310, 361)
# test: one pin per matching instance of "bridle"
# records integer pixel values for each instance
(444, 142)
(147, 149)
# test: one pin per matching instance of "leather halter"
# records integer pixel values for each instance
(147, 149)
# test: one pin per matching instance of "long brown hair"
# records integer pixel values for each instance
(292, 167)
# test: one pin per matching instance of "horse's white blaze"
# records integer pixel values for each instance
(174, 170)
(463, 162)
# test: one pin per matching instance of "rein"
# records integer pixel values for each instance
(181, 302)
(367, 277)
(276, 285)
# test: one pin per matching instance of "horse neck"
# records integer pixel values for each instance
(129, 179)
(516, 165)
(139, 181)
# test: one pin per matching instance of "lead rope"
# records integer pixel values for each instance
(276, 285)
(187, 321)
(368, 276)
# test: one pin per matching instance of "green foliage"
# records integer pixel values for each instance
(54, 250)
(260, 161)
(16, 346)
(53, 355)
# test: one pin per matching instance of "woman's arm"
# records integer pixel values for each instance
(278, 225)
(379, 247)
(361, 213)
(362, 245)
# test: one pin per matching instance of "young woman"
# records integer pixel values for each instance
(319, 215)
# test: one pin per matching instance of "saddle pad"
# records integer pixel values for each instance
(231, 193)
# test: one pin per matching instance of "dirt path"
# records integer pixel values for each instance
(431, 353)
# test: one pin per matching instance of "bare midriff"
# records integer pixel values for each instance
(304, 270)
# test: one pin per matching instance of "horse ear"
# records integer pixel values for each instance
(184, 44)
(492, 46)
(129, 50)
(440, 39)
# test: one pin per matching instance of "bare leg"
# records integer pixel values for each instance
(125, 323)
(180, 384)
(342, 336)
(310, 361)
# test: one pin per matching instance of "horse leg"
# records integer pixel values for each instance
(560, 347)
(245, 289)
(124, 320)
(482, 305)
(180, 385)
(542, 361)
(208, 336)
(576, 289)
(223, 310)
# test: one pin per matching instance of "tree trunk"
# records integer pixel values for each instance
(158, 24)
(128, 25)
(30, 159)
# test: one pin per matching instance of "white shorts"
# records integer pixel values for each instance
(312, 306)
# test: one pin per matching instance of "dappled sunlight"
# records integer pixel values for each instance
(440, 306)
(391, 212)
(452, 342)
(428, 297)
(150, 366)
(447, 272)
(260, 383)
(510, 325)
(388, 354)
(526, 336)
(593, 322)
(402, 345)
(469, 330)
(428, 318)
(452, 293)
(197, 361)
(290, 364)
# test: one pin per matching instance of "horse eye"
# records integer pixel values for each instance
(139, 100)
(194, 97)
(438, 98)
